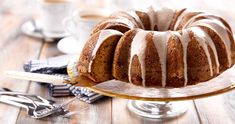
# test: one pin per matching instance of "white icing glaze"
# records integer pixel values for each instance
(152, 18)
(212, 45)
(209, 42)
(179, 19)
(200, 37)
(124, 21)
(130, 16)
(104, 34)
(164, 17)
(160, 40)
(220, 30)
(193, 19)
(184, 39)
(138, 46)
(206, 15)
(134, 15)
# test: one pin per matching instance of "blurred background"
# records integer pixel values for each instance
(12, 11)
(223, 5)
(213, 6)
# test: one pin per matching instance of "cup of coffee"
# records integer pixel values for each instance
(80, 24)
(53, 13)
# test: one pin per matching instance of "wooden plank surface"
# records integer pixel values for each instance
(16, 48)
(98, 113)
(217, 109)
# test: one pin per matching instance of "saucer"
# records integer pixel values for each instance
(69, 45)
(32, 28)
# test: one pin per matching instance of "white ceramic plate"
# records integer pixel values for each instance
(69, 45)
(30, 28)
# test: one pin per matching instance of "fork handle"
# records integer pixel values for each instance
(22, 99)
(12, 101)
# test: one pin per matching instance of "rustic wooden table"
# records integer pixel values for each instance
(16, 49)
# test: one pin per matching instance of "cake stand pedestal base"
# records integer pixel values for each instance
(157, 110)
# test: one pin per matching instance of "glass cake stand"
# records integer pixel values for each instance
(165, 102)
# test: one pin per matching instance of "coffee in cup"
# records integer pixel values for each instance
(80, 24)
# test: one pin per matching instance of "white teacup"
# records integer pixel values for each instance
(53, 14)
(80, 24)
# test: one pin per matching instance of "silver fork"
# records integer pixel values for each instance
(35, 109)
(46, 112)
(25, 98)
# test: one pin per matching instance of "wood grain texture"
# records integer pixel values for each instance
(97, 113)
(217, 109)
(16, 48)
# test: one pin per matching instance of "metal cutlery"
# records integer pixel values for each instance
(58, 86)
(58, 66)
(36, 106)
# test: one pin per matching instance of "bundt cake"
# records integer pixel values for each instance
(165, 47)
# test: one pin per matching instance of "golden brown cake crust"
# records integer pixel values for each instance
(153, 68)
(175, 66)
(144, 19)
(110, 23)
(98, 67)
(187, 45)
(85, 58)
(177, 14)
(122, 52)
(220, 47)
(186, 18)
(212, 16)
(126, 15)
(198, 66)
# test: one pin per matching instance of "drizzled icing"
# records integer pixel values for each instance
(184, 39)
(152, 18)
(217, 26)
(134, 15)
(200, 38)
(131, 16)
(206, 16)
(204, 37)
(193, 19)
(179, 19)
(104, 34)
(160, 40)
(138, 47)
(123, 21)
(164, 17)
(212, 46)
